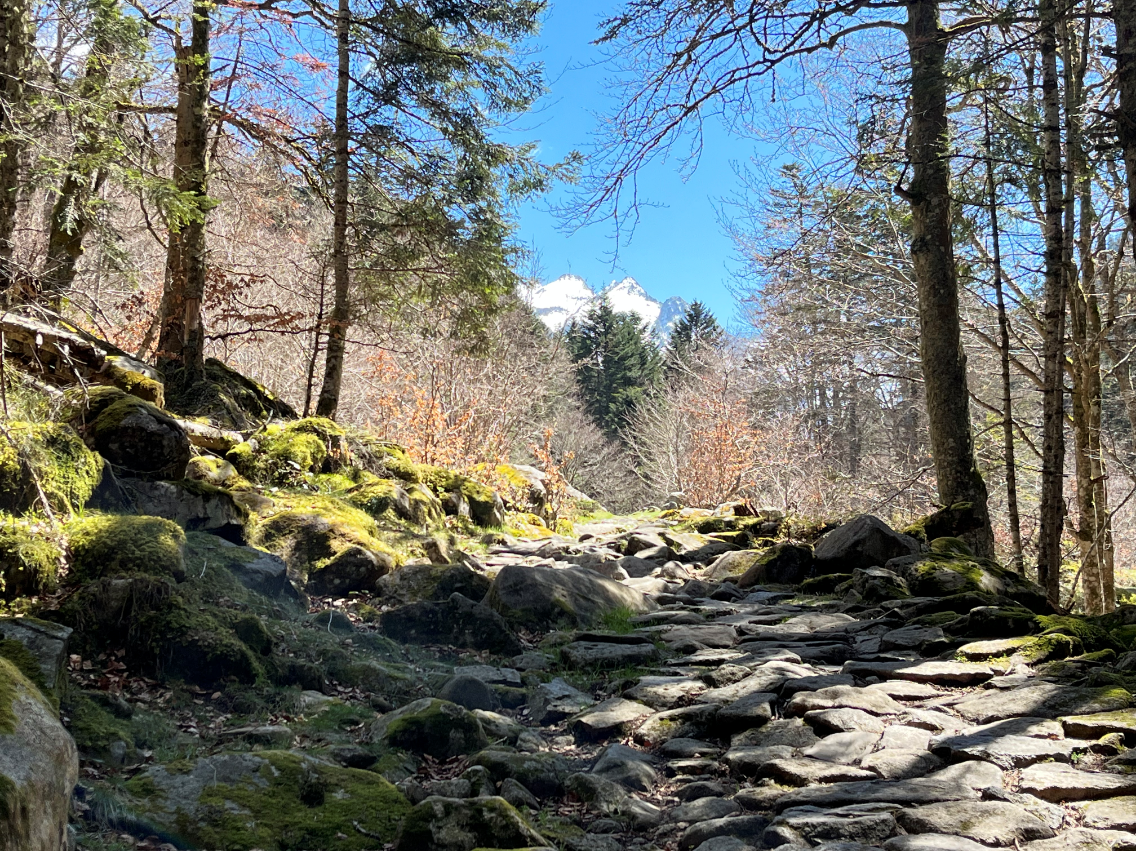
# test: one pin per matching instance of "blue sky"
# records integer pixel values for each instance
(678, 248)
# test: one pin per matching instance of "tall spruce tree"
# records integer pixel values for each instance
(616, 364)
(696, 332)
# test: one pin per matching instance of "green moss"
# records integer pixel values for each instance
(218, 472)
(376, 496)
(20, 656)
(52, 454)
(276, 813)
(1045, 648)
(1089, 634)
(135, 383)
(13, 684)
(618, 620)
(110, 544)
(285, 454)
(950, 546)
(93, 727)
(251, 630)
(30, 556)
(333, 482)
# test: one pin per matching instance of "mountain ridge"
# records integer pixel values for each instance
(569, 297)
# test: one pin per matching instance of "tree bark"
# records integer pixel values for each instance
(16, 37)
(1005, 351)
(340, 317)
(181, 341)
(942, 355)
(1051, 503)
(1124, 54)
(71, 220)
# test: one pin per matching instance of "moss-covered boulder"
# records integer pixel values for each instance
(31, 555)
(282, 454)
(486, 507)
(136, 437)
(39, 767)
(327, 543)
(272, 800)
(133, 377)
(430, 726)
(53, 456)
(258, 571)
(782, 564)
(211, 470)
(193, 505)
(950, 522)
(955, 571)
(116, 545)
(863, 542)
(414, 503)
(455, 824)
(40, 649)
(875, 585)
(543, 774)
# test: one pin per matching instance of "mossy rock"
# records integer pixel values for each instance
(453, 824)
(284, 454)
(824, 585)
(135, 436)
(115, 545)
(53, 455)
(94, 728)
(948, 522)
(486, 507)
(378, 497)
(230, 399)
(943, 574)
(1091, 636)
(211, 470)
(315, 530)
(30, 556)
(272, 800)
(119, 372)
(433, 727)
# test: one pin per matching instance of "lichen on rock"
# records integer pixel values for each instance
(52, 456)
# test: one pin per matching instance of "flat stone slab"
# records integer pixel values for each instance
(603, 654)
(613, 717)
(1054, 782)
(844, 697)
(556, 700)
(703, 809)
(938, 673)
(987, 822)
(1100, 724)
(860, 825)
(701, 635)
(933, 842)
(1109, 814)
(688, 749)
(803, 771)
(1084, 839)
(783, 731)
(754, 710)
(923, 790)
(490, 675)
(748, 828)
(970, 775)
(768, 677)
(687, 722)
(905, 690)
(749, 761)
(901, 764)
(665, 692)
(1015, 743)
(846, 748)
(1043, 699)
(904, 736)
(843, 721)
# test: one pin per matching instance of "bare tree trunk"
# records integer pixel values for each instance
(70, 219)
(340, 317)
(934, 264)
(1005, 353)
(1051, 504)
(1124, 53)
(16, 37)
(181, 341)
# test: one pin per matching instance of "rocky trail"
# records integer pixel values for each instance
(643, 687)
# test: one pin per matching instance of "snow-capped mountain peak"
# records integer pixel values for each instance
(569, 297)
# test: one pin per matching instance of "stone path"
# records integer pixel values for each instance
(767, 723)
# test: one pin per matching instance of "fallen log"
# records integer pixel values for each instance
(56, 353)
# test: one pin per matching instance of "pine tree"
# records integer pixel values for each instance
(696, 331)
(616, 364)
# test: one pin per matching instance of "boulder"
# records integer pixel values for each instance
(413, 583)
(556, 700)
(453, 824)
(139, 439)
(46, 643)
(39, 767)
(782, 564)
(539, 597)
(287, 800)
(352, 569)
(470, 693)
(862, 542)
(543, 774)
(195, 506)
(613, 800)
(613, 717)
(431, 726)
(255, 569)
(53, 456)
(459, 622)
(946, 574)
(874, 585)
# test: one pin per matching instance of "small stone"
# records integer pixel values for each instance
(802, 771)
(1056, 783)
(665, 692)
(747, 828)
(703, 809)
(749, 761)
(701, 789)
(844, 697)
(754, 710)
(556, 700)
(724, 843)
(919, 638)
(846, 748)
(470, 692)
(866, 824)
(813, 683)
(687, 722)
(690, 767)
(905, 737)
(687, 749)
(970, 775)
(844, 721)
(899, 764)
(627, 766)
(613, 717)
(791, 732)
(518, 795)
(905, 690)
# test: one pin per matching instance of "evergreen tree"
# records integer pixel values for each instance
(616, 364)
(696, 331)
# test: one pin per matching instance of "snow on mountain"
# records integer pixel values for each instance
(569, 297)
